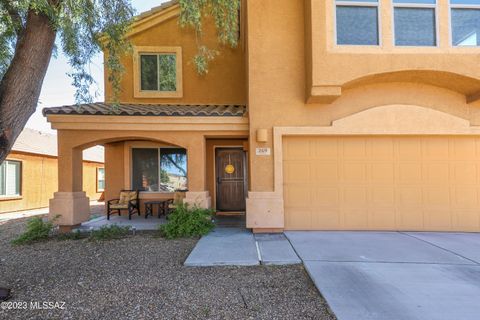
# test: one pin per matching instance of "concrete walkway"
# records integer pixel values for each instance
(96, 209)
(240, 247)
(137, 222)
(390, 275)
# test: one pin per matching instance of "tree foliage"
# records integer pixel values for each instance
(79, 25)
(225, 15)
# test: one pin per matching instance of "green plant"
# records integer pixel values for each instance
(74, 235)
(109, 233)
(187, 222)
(225, 15)
(37, 230)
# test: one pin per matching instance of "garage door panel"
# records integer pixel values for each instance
(409, 172)
(326, 197)
(408, 149)
(429, 183)
(325, 172)
(355, 197)
(298, 194)
(464, 173)
(382, 196)
(325, 149)
(382, 148)
(298, 171)
(297, 148)
(436, 197)
(467, 220)
(298, 218)
(436, 148)
(438, 219)
(355, 219)
(354, 172)
(381, 172)
(409, 196)
(330, 218)
(464, 149)
(381, 218)
(354, 148)
(410, 218)
(436, 172)
(464, 197)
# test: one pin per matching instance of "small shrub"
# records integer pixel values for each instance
(109, 233)
(187, 222)
(75, 235)
(37, 230)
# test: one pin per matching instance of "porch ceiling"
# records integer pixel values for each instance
(104, 109)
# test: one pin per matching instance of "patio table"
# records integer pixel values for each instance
(162, 206)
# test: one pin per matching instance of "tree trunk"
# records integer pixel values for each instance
(21, 85)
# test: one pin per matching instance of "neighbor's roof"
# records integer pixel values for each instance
(156, 9)
(161, 110)
(36, 142)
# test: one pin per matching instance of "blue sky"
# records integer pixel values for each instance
(57, 89)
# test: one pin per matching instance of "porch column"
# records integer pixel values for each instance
(197, 167)
(70, 205)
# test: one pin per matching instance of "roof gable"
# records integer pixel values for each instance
(154, 16)
(36, 142)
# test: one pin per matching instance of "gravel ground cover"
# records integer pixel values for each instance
(143, 277)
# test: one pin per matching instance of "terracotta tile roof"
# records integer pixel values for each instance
(103, 109)
(36, 142)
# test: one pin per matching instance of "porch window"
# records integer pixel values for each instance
(159, 169)
(415, 22)
(158, 72)
(357, 22)
(465, 16)
(10, 178)
(100, 179)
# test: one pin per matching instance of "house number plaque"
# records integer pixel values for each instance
(263, 151)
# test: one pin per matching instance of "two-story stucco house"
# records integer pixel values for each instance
(335, 115)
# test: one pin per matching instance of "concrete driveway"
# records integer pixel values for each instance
(391, 275)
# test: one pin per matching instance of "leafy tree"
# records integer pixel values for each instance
(28, 31)
(164, 178)
(225, 14)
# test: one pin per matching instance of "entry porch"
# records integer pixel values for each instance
(160, 150)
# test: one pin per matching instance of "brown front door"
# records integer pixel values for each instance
(230, 173)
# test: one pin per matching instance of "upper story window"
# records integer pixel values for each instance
(465, 15)
(10, 178)
(357, 22)
(415, 22)
(157, 72)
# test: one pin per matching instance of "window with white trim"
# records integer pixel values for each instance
(10, 178)
(465, 22)
(415, 22)
(357, 22)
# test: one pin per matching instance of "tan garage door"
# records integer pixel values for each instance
(382, 183)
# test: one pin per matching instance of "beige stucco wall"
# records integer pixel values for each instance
(331, 66)
(279, 79)
(224, 84)
(40, 181)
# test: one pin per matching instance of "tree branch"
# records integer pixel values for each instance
(170, 159)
